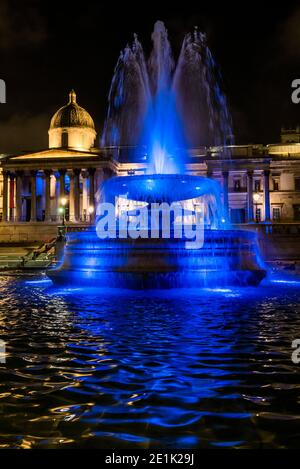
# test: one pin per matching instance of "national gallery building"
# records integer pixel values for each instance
(259, 183)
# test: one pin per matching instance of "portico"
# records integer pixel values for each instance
(69, 173)
(35, 184)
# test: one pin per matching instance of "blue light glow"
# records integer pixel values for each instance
(163, 135)
(41, 282)
(287, 282)
(147, 104)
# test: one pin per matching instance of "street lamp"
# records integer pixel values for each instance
(256, 198)
(64, 201)
(62, 209)
(91, 210)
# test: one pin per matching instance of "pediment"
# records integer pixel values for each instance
(51, 154)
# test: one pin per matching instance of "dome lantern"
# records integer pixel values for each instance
(72, 96)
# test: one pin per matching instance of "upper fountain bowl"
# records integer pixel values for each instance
(159, 187)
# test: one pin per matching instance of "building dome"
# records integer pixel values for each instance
(72, 127)
(72, 115)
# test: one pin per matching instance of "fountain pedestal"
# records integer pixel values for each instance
(226, 258)
(223, 257)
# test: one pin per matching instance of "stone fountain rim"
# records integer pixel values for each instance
(127, 185)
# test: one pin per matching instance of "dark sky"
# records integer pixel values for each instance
(47, 48)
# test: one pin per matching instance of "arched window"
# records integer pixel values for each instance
(64, 139)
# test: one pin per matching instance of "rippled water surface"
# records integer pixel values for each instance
(184, 369)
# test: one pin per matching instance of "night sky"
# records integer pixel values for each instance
(47, 48)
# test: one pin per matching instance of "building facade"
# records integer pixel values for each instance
(260, 184)
(33, 185)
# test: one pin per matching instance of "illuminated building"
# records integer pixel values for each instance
(32, 185)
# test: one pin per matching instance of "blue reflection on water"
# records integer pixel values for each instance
(180, 368)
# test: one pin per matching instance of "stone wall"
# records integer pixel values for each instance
(277, 242)
(25, 232)
(280, 247)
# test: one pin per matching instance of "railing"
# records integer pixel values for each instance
(53, 219)
(282, 229)
(75, 228)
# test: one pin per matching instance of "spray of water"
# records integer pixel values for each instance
(163, 107)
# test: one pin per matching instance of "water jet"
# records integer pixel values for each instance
(164, 107)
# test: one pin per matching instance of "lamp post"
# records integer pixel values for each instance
(91, 211)
(62, 209)
(256, 198)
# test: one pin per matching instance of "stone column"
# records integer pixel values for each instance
(92, 192)
(33, 196)
(225, 193)
(267, 194)
(85, 195)
(76, 194)
(62, 174)
(47, 173)
(71, 198)
(250, 195)
(57, 192)
(5, 196)
(19, 182)
(12, 196)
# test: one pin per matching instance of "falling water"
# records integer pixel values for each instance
(128, 99)
(163, 107)
(201, 102)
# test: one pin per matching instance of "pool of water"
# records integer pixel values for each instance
(120, 369)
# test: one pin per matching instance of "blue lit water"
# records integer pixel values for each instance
(112, 369)
(165, 105)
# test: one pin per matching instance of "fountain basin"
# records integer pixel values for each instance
(228, 257)
(159, 187)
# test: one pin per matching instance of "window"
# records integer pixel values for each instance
(297, 184)
(276, 213)
(257, 185)
(275, 184)
(296, 212)
(64, 139)
(237, 185)
(67, 184)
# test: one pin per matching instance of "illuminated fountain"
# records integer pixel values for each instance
(161, 109)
